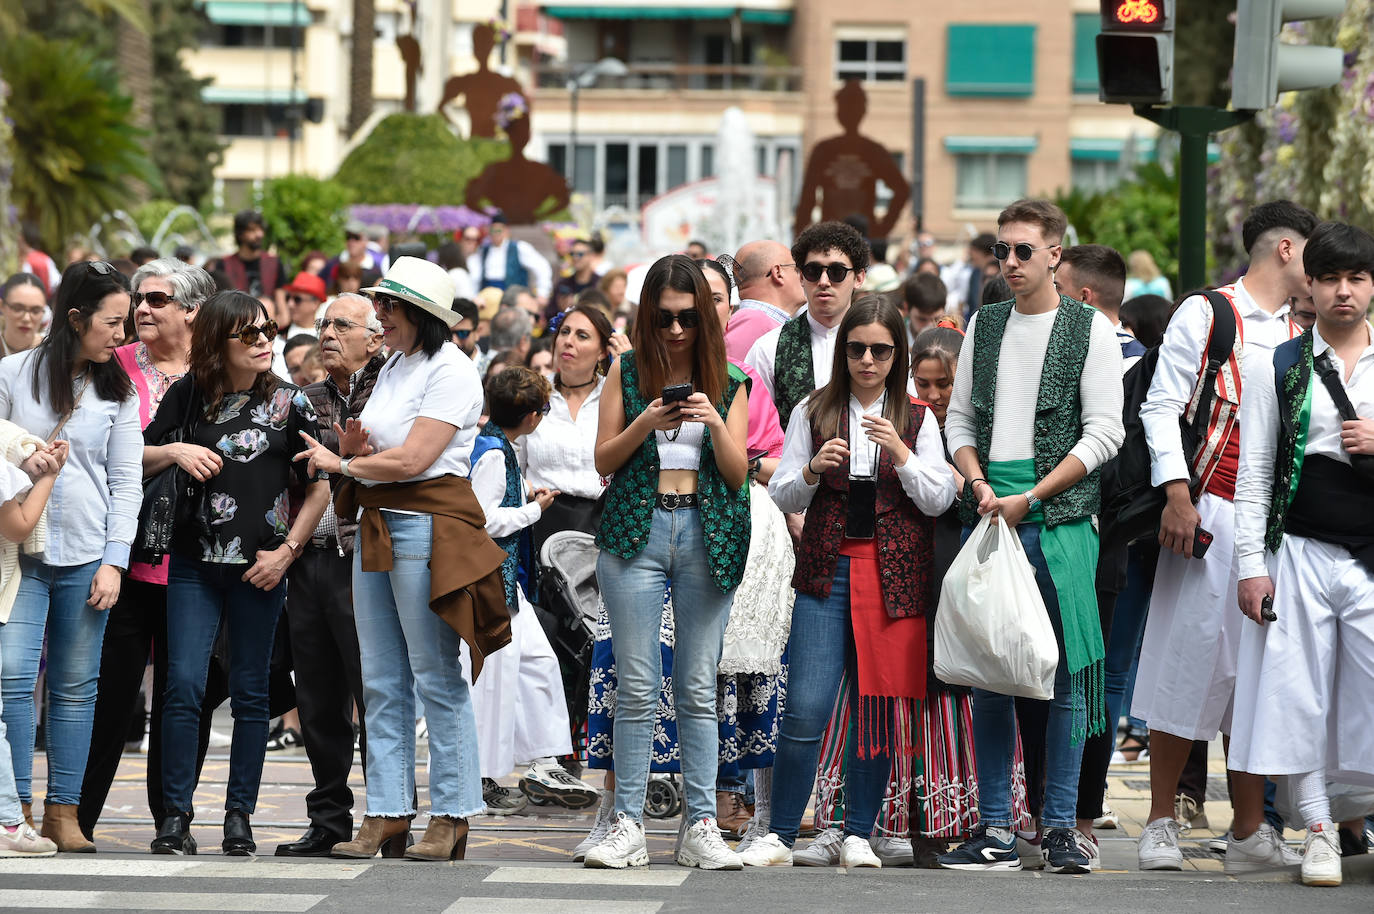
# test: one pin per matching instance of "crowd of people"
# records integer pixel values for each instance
(332, 498)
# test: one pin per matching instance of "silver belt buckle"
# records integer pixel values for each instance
(671, 500)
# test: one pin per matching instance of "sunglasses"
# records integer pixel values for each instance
(1001, 250)
(546, 408)
(577, 255)
(352, 237)
(154, 299)
(386, 303)
(688, 319)
(297, 299)
(881, 351)
(101, 267)
(462, 334)
(340, 324)
(249, 335)
(811, 272)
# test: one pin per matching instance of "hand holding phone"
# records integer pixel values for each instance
(1202, 541)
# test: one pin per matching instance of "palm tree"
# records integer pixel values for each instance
(360, 65)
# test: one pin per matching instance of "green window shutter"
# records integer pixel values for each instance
(1085, 29)
(1086, 149)
(990, 60)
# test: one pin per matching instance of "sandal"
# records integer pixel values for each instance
(1133, 749)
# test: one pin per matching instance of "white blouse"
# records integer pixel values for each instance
(561, 453)
(926, 478)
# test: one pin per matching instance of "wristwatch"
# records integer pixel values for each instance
(295, 547)
(343, 466)
(1032, 500)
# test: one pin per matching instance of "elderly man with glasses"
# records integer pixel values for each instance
(320, 593)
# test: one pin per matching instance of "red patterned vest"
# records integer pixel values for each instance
(906, 537)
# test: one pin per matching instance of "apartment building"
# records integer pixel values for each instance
(1000, 96)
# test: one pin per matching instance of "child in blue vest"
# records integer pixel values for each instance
(522, 714)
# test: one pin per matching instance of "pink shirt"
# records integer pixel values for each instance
(150, 385)
(765, 431)
(746, 325)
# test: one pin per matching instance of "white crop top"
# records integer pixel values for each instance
(685, 452)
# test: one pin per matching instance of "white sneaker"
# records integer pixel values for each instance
(1321, 856)
(856, 851)
(893, 851)
(548, 780)
(220, 740)
(1158, 846)
(1090, 848)
(755, 830)
(767, 851)
(25, 842)
(623, 847)
(703, 847)
(1262, 850)
(605, 818)
(824, 850)
(1108, 819)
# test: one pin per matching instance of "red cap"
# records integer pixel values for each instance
(308, 283)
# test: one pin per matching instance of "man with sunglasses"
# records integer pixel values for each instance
(796, 358)
(583, 276)
(324, 640)
(303, 299)
(465, 331)
(1035, 412)
(770, 294)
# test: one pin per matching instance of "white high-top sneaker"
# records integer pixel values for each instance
(703, 847)
(623, 847)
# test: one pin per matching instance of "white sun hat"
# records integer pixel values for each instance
(425, 285)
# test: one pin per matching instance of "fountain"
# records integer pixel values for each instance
(739, 214)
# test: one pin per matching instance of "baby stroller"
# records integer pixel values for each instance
(568, 595)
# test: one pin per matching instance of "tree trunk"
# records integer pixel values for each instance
(135, 64)
(360, 65)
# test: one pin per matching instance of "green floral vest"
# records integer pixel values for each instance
(1293, 382)
(1058, 413)
(794, 377)
(629, 509)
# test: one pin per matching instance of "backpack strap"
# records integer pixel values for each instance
(1221, 340)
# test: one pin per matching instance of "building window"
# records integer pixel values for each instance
(647, 184)
(617, 174)
(253, 36)
(558, 158)
(870, 59)
(1085, 29)
(245, 120)
(1094, 175)
(995, 61)
(586, 169)
(708, 160)
(677, 165)
(989, 180)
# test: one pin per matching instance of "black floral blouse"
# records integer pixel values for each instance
(256, 438)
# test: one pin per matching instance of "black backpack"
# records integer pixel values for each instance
(1131, 505)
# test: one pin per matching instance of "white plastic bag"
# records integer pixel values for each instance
(992, 631)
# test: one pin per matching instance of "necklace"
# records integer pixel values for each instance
(566, 386)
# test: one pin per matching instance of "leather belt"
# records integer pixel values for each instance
(671, 501)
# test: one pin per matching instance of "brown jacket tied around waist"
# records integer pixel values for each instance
(465, 586)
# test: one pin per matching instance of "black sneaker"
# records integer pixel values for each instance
(984, 851)
(1062, 853)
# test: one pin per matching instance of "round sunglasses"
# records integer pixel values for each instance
(881, 351)
(249, 335)
(1001, 250)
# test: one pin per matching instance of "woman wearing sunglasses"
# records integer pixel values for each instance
(231, 549)
(866, 464)
(678, 509)
(71, 387)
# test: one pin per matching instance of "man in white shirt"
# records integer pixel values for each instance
(770, 294)
(1035, 412)
(832, 258)
(1187, 668)
(503, 261)
(1304, 494)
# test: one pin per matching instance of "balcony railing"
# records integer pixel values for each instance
(708, 77)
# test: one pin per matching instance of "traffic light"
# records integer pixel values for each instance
(1266, 66)
(1135, 51)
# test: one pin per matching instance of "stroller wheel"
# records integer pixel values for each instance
(663, 799)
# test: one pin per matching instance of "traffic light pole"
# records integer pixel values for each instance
(1195, 126)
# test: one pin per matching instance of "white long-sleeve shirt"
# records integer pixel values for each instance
(489, 486)
(541, 273)
(1181, 355)
(763, 355)
(925, 477)
(1018, 385)
(1259, 416)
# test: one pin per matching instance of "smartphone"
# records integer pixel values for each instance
(1267, 609)
(1202, 541)
(676, 393)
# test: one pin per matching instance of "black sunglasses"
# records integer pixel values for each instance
(1001, 250)
(463, 334)
(154, 299)
(249, 335)
(811, 272)
(688, 319)
(881, 351)
(545, 409)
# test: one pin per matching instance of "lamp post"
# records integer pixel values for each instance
(585, 79)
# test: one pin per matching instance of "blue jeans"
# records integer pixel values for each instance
(994, 725)
(202, 597)
(1128, 628)
(819, 649)
(405, 647)
(633, 592)
(52, 598)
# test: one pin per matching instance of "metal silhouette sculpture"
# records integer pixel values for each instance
(844, 170)
(526, 190)
(483, 89)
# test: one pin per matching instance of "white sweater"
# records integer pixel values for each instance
(1018, 385)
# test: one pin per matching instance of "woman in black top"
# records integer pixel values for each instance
(229, 555)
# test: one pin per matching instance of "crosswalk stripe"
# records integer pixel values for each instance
(549, 906)
(157, 901)
(212, 869)
(566, 875)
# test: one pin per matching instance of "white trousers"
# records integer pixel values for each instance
(1187, 671)
(1305, 685)
(522, 714)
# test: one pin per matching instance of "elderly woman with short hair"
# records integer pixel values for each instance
(167, 295)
